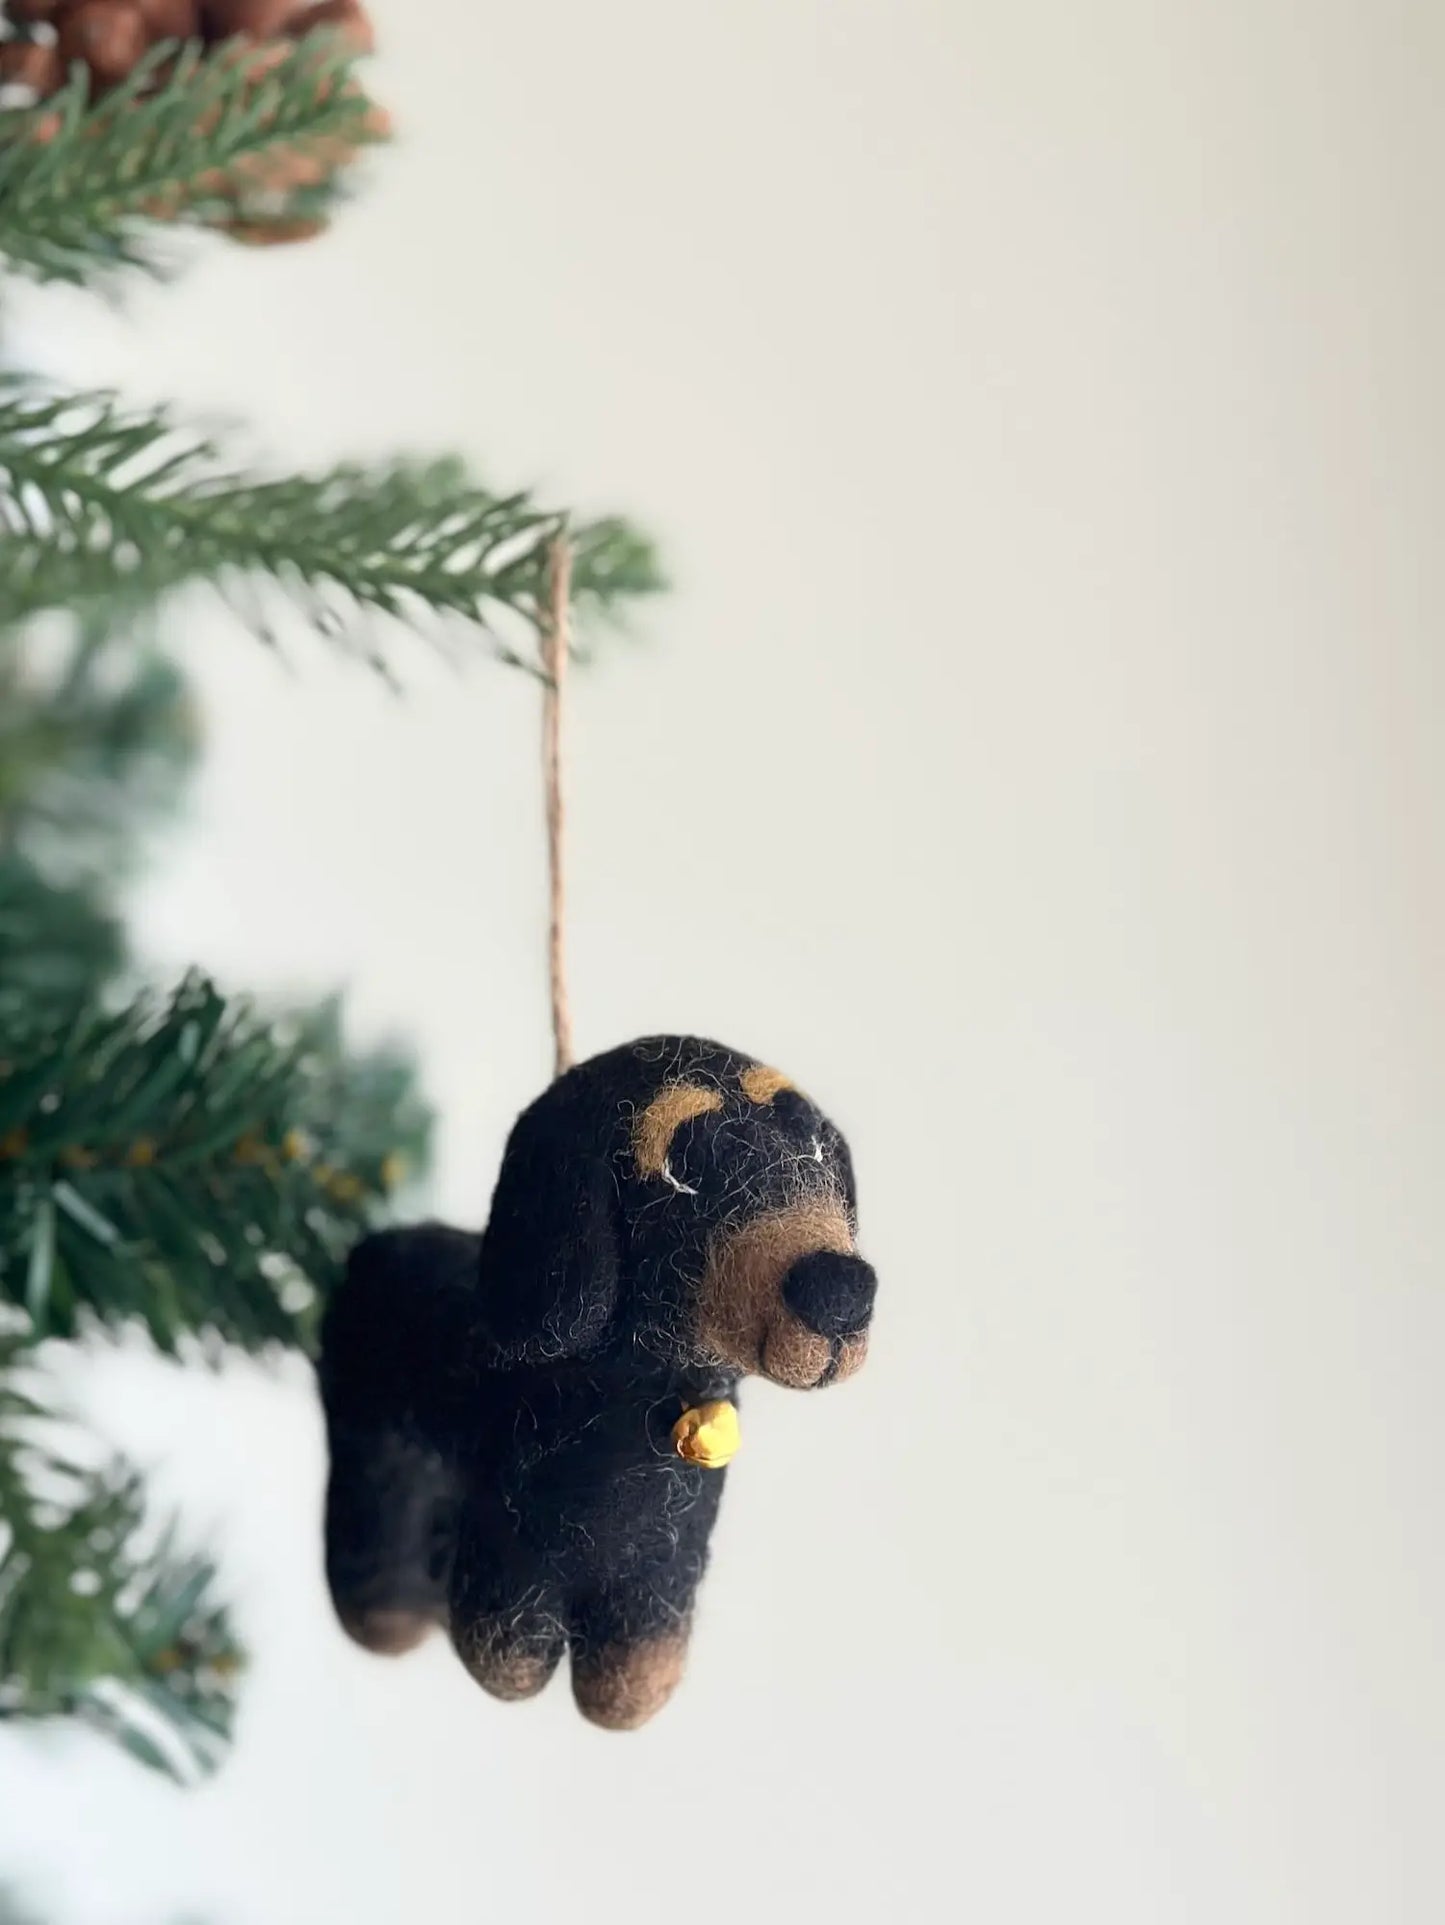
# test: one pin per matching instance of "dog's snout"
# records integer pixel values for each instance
(831, 1293)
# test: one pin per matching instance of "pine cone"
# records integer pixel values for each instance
(31, 13)
(26, 63)
(107, 36)
(170, 19)
(257, 19)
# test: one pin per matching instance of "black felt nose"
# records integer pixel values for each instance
(832, 1294)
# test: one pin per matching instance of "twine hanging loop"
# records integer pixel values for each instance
(556, 646)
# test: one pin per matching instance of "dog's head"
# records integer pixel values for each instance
(678, 1197)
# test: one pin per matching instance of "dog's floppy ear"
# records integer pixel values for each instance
(550, 1255)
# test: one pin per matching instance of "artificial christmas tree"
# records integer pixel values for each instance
(177, 1158)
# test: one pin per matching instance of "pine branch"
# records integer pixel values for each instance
(96, 739)
(225, 135)
(95, 499)
(58, 945)
(99, 1619)
(192, 1167)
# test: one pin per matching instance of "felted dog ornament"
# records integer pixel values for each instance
(528, 1428)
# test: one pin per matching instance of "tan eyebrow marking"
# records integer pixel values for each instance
(655, 1128)
(761, 1084)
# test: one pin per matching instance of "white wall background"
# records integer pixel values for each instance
(1041, 408)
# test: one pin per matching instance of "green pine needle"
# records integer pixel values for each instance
(98, 733)
(57, 942)
(102, 1619)
(191, 1166)
(82, 181)
(97, 499)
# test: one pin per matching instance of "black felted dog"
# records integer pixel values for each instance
(503, 1411)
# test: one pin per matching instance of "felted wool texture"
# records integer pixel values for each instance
(654, 1129)
(743, 1312)
(392, 1493)
(668, 1217)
